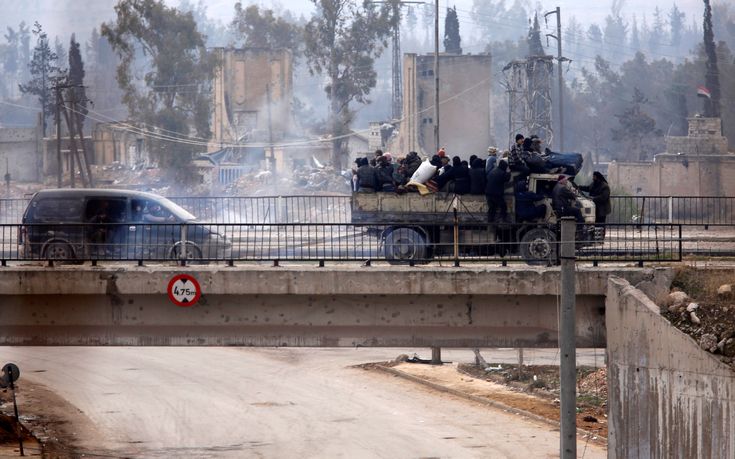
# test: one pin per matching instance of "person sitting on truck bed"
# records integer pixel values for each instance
(564, 199)
(477, 177)
(384, 175)
(494, 190)
(411, 163)
(366, 180)
(445, 177)
(526, 208)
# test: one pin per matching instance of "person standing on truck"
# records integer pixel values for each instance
(599, 191)
(492, 158)
(494, 191)
(564, 199)
(478, 179)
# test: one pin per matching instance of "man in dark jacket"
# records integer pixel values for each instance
(526, 208)
(411, 163)
(494, 190)
(462, 178)
(599, 191)
(564, 198)
(384, 175)
(477, 177)
(366, 180)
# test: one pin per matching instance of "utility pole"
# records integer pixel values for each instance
(436, 75)
(58, 136)
(397, 80)
(272, 159)
(568, 347)
(560, 60)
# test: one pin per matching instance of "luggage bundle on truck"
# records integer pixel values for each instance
(416, 228)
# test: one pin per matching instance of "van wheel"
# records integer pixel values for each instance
(58, 251)
(403, 245)
(192, 252)
(539, 247)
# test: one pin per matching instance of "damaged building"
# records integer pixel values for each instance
(465, 82)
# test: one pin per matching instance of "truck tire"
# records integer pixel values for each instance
(539, 247)
(403, 245)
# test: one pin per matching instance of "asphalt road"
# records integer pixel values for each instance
(275, 403)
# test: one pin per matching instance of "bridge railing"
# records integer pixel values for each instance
(275, 242)
(679, 210)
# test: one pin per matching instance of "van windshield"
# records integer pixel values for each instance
(158, 210)
(178, 211)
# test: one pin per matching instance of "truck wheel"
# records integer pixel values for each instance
(538, 246)
(193, 252)
(405, 244)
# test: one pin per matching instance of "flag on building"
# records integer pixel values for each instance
(703, 92)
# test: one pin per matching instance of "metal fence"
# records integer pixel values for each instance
(222, 242)
(688, 211)
(683, 210)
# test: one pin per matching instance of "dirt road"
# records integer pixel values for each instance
(285, 403)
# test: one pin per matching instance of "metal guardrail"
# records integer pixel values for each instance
(224, 242)
(687, 211)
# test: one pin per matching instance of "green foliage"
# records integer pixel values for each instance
(535, 48)
(43, 72)
(342, 42)
(711, 75)
(177, 71)
(452, 39)
(261, 28)
(488, 13)
(636, 129)
(77, 92)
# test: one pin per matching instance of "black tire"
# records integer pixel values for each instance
(58, 251)
(404, 245)
(539, 247)
(192, 252)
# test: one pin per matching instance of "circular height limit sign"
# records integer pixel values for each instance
(183, 290)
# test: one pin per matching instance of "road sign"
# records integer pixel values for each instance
(10, 373)
(183, 290)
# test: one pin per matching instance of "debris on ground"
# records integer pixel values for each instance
(701, 305)
(303, 180)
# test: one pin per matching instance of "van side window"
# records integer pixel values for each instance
(105, 210)
(57, 210)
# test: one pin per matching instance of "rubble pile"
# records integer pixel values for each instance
(708, 315)
(304, 180)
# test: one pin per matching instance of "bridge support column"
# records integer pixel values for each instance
(436, 356)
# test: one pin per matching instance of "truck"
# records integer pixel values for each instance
(414, 228)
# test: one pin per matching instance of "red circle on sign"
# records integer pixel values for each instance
(183, 290)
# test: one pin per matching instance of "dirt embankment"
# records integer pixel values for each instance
(702, 305)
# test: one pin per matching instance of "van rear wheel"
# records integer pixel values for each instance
(58, 251)
(404, 245)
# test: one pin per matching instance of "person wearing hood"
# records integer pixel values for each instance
(492, 158)
(477, 177)
(599, 191)
(461, 178)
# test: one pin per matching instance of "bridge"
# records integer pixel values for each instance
(331, 306)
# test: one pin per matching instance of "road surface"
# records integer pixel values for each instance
(275, 403)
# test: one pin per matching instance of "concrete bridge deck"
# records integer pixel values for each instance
(302, 306)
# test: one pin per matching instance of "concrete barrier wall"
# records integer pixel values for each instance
(301, 306)
(668, 398)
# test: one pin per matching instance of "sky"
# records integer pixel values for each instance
(62, 17)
